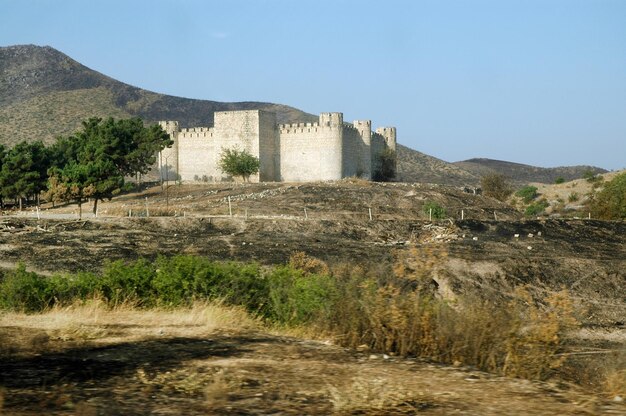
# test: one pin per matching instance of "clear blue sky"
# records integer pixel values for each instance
(541, 82)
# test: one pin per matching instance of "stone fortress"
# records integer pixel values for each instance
(327, 150)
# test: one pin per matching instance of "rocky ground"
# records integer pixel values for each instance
(488, 253)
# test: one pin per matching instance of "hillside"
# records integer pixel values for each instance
(45, 93)
(522, 174)
(414, 166)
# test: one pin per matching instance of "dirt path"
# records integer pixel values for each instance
(258, 374)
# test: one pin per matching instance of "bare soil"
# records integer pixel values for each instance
(253, 373)
(489, 253)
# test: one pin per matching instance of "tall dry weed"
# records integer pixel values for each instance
(537, 335)
(403, 314)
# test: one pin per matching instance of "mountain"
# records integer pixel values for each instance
(45, 93)
(522, 174)
(414, 166)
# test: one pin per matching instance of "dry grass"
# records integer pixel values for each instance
(56, 113)
(94, 322)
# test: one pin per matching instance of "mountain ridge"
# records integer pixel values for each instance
(45, 93)
(520, 173)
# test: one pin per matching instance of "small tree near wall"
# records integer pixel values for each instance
(239, 163)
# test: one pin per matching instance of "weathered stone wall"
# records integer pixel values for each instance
(198, 155)
(312, 151)
(269, 147)
(326, 150)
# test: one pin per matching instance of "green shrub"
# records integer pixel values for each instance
(435, 210)
(559, 180)
(527, 193)
(573, 197)
(296, 298)
(536, 208)
(610, 202)
(24, 291)
(67, 288)
(127, 282)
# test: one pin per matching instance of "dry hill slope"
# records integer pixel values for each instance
(414, 166)
(523, 174)
(45, 93)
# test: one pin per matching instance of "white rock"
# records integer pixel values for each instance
(530, 235)
(516, 236)
(529, 247)
(475, 238)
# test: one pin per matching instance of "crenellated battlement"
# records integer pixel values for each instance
(328, 149)
(196, 132)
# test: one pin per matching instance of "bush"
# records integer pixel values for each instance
(559, 180)
(573, 197)
(610, 203)
(24, 291)
(435, 210)
(496, 186)
(238, 163)
(527, 193)
(536, 208)
(296, 298)
(393, 310)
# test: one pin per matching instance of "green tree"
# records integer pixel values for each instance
(496, 186)
(238, 163)
(610, 202)
(24, 171)
(93, 162)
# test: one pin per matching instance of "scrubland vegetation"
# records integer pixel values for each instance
(395, 310)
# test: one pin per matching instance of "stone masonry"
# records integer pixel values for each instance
(327, 150)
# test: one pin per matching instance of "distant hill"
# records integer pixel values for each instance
(523, 174)
(45, 93)
(414, 166)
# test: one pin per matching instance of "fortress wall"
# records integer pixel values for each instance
(378, 146)
(352, 153)
(311, 156)
(197, 159)
(236, 130)
(312, 152)
(326, 150)
(269, 151)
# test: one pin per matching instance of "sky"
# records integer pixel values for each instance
(541, 82)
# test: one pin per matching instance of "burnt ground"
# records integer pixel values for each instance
(258, 374)
(485, 257)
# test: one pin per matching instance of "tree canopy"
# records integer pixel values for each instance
(91, 163)
(24, 170)
(238, 163)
